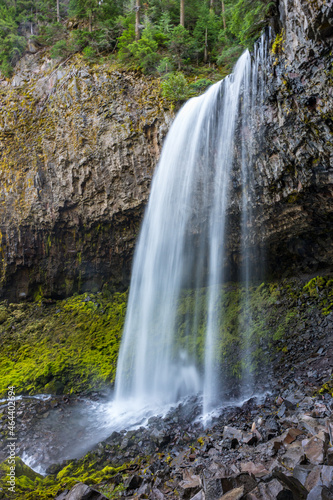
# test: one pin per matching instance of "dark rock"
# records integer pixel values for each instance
(189, 486)
(213, 488)
(82, 492)
(133, 482)
(293, 484)
(272, 490)
(237, 481)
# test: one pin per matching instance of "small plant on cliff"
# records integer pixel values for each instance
(175, 87)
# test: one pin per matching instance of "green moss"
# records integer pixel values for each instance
(75, 341)
(90, 469)
(277, 46)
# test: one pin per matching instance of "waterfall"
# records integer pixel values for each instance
(182, 243)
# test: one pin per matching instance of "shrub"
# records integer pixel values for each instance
(175, 87)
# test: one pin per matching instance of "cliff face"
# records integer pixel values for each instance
(296, 168)
(78, 148)
(293, 146)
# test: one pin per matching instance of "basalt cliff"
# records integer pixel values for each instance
(79, 144)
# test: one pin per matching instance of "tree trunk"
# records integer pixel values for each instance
(182, 12)
(137, 20)
(211, 6)
(90, 23)
(223, 15)
(58, 11)
(206, 51)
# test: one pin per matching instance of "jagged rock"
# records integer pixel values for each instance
(235, 494)
(258, 470)
(315, 448)
(320, 493)
(292, 435)
(295, 455)
(156, 494)
(232, 433)
(293, 484)
(270, 491)
(82, 492)
(190, 485)
(133, 482)
(301, 472)
(330, 456)
(312, 425)
(213, 488)
(320, 475)
(237, 481)
(199, 496)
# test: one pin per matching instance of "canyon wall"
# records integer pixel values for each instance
(78, 149)
(79, 144)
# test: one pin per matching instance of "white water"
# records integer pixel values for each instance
(182, 244)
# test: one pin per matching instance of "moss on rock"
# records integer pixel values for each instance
(67, 347)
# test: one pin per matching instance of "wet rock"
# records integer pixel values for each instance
(232, 433)
(330, 456)
(312, 425)
(321, 475)
(320, 493)
(301, 472)
(292, 435)
(156, 494)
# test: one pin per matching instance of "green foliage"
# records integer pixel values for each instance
(143, 53)
(200, 85)
(89, 54)
(12, 45)
(180, 45)
(247, 19)
(108, 26)
(50, 34)
(165, 66)
(60, 49)
(175, 87)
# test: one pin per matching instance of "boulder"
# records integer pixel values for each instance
(315, 448)
(82, 492)
(190, 485)
(235, 494)
(270, 491)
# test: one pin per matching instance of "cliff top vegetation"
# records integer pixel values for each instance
(163, 37)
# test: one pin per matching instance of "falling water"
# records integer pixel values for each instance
(183, 239)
